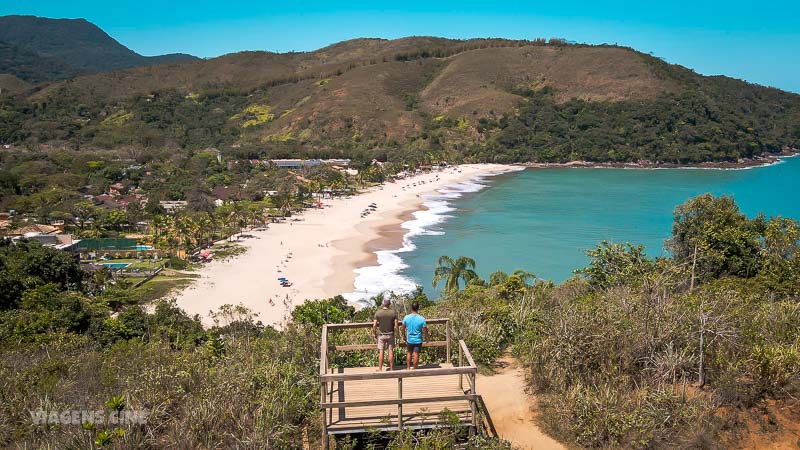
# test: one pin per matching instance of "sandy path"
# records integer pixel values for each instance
(317, 253)
(512, 409)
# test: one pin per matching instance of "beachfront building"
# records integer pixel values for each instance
(63, 242)
(47, 235)
(301, 163)
(337, 162)
(174, 205)
(35, 229)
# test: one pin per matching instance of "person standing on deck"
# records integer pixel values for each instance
(383, 327)
(416, 330)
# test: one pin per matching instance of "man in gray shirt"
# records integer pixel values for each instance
(383, 328)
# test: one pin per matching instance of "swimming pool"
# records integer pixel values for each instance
(116, 266)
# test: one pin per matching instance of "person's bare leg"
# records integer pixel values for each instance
(391, 358)
(408, 360)
(380, 360)
(416, 359)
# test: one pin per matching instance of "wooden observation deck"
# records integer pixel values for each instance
(361, 399)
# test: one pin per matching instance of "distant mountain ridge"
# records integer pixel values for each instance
(418, 97)
(38, 49)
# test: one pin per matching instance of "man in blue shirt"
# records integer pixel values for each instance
(416, 330)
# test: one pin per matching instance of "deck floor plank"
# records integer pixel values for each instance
(415, 415)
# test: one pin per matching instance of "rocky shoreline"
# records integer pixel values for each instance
(743, 163)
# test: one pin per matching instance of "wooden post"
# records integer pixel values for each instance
(325, 442)
(460, 364)
(330, 394)
(472, 405)
(447, 338)
(323, 370)
(400, 404)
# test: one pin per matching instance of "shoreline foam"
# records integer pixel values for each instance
(384, 275)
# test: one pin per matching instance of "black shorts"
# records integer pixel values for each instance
(413, 348)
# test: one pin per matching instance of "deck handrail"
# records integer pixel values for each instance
(464, 348)
(341, 348)
(356, 347)
(488, 424)
(433, 372)
(344, 326)
(323, 351)
(396, 401)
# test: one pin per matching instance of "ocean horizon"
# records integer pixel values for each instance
(543, 220)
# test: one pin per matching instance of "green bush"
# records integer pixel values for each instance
(177, 263)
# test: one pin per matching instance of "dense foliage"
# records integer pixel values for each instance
(234, 383)
(64, 185)
(238, 383)
(30, 66)
(710, 120)
(26, 266)
(632, 352)
(642, 353)
(697, 125)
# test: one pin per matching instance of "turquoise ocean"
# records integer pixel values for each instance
(544, 220)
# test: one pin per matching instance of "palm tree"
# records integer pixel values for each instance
(285, 204)
(497, 277)
(316, 186)
(211, 224)
(203, 228)
(338, 185)
(238, 216)
(500, 277)
(453, 271)
(157, 225)
(527, 277)
(255, 215)
(186, 228)
(223, 219)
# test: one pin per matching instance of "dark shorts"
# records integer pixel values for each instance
(413, 348)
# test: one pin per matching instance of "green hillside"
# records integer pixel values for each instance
(474, 100)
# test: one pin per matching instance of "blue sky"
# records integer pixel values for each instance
(755, 41)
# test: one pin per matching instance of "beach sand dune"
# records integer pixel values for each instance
(317, 252)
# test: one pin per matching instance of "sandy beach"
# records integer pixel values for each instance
(318, 250)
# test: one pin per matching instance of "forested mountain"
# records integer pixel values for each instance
(31, 66)
(415, 98)
(38, 49)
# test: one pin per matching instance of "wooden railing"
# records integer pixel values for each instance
(349, 326)
(486, 418)
(466, 368)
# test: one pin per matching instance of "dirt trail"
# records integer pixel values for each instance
(775, 425)
(512, 409)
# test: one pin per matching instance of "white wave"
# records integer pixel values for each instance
(385, 276)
